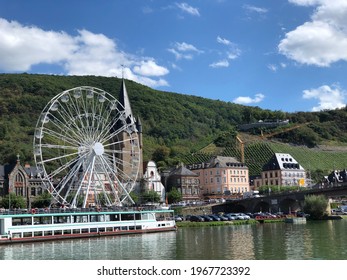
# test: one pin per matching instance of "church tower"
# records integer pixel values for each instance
(125, 139)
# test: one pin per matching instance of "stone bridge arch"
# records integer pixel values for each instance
(289, 205)
(261, 206)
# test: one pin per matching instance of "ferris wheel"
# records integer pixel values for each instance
(86, 149)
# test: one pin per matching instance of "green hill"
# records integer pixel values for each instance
(179, 127)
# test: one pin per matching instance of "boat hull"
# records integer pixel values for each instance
(6, 241)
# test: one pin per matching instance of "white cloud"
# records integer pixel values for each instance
(184, 50)
(188, 9)
(321, 41)
(232, 52)
(272, 67)
(259, 10)
(219, 64)
(23, 47)
(150, 68)
(249, 100)
(223, 41)
(328, 97)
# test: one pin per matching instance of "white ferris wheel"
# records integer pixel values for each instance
(87, 149)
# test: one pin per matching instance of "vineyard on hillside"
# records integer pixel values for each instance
(258, 153)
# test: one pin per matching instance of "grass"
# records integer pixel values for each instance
(213, 224)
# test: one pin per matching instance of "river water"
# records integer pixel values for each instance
(323, 240)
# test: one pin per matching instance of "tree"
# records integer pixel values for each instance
(150, 196)
(161, 154)
(42, 201)
(174, 196)
(11, 201)
(315, 206)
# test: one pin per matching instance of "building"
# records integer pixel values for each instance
(222, 176)
(152, 180)
(336, 177)
(281, 170)
(20, 180)
(186, 182)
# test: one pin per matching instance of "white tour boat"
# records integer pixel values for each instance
(52, 224)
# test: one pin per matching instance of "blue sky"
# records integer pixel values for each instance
(288, 55)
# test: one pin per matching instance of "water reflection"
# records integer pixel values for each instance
(279, 241)
(229, 242)
(131, 247)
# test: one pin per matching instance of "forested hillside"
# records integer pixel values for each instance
(175, 126)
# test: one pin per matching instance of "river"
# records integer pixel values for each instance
(320, 240)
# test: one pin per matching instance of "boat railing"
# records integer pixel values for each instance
(78, 210)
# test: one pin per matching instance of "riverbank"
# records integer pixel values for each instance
(213, 224)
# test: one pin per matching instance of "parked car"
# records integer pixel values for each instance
(230, 218)
(222, 218)
(178, 218)
(245, 217)
(240, 217)
(195, 218)
(207, 218)
(235, 216)
(214, 217)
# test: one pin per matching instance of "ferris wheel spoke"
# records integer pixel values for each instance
(109, 169)
(71, 129)
(69, 182)
(106, 135)
(51, 146)
(106, 121)
(104, 191)
(90, 167)
(59, 157)
(66, 117)
(64, 167)
(59, 137)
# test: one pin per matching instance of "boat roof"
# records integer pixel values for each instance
(77, 211)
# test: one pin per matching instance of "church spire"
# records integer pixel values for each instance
(124, 100)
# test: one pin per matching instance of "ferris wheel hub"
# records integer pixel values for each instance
(98, 148)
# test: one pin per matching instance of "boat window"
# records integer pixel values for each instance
(21, 221)
(81, 219)
(109, 229)
(27, 234)
(124, 228)
(96, 218)
(137, 216)
(93, 230)
(48, 232)
(84, 230)
(67, 231)
(76, 231)
(112, 217)
(61, 219)
(127, 217)
(147, 216)
(37, 233)
(58, 232)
